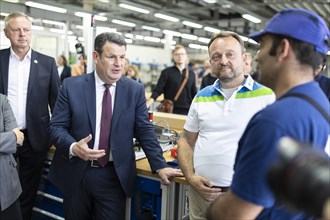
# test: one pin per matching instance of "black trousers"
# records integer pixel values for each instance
(99, 196)
(30, 164)
(12, 212)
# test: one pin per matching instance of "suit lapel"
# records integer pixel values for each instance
(90, 99)
(119, 104)
(4, 59)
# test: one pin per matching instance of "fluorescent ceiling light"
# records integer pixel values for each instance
(80, 27)
(210, 29)
(72, 38)
(129, 41)
(12, 1)
(55, 30)
(166, 17)
(189, 36)
(251, 18)
(210, 1)
(96, 17)
(139, 37)
(163, 41)
(129, 35)
(194, 46)
(133, 8)
(152, 39)
(204, 48)
(197, 46)
(53, 22)
(4, 14)
(204, 40)
(125, 23)
(150, 28)
(37, 28)
(45, 7)
(104, 1)
(192, 24)
(173, 33)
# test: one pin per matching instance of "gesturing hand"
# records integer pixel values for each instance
(81, 149)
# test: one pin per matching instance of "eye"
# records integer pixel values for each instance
(230, 55)
(215, 58)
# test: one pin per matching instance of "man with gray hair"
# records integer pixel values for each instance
(31, 82)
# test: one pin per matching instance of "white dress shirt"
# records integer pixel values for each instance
(18, 79)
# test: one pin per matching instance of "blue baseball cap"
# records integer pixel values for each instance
(300, 24)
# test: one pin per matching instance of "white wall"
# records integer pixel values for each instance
(147, 55)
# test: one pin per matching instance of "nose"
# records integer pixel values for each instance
(223, 59)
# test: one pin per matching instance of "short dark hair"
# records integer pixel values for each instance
(224, 34)
(305, 52)
(102, 38)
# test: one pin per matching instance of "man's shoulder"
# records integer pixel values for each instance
(42, 56)
(5, 51)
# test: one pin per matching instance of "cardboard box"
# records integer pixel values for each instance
(175, 121)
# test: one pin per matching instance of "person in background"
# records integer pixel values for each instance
(292, 46)
(217, 118)
(127, 64)
(248, 63)
(208, 78)
(10, 187)
(206, 69)
(63, 69)
(171, 79)
(94, 163)
(323, 80)
(133, 73)
(194, 66)
(31, 82)
(79, 68)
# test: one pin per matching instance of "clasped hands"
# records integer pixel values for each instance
(19, 136)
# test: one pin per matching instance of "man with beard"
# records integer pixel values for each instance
(216, 120)
(293, 45)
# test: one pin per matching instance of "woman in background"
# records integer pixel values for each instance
(63, 69)
(79, 68)
(10, 187)
(133, 73)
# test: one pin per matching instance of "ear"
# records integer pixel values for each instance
(283, 50)
(245, 58)
(95, 56)
(5, 31)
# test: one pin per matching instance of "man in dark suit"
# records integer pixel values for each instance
(93, 190)
(31, 81)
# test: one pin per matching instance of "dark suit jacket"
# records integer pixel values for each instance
(65, 73)
(43, 88)
(74, 118)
